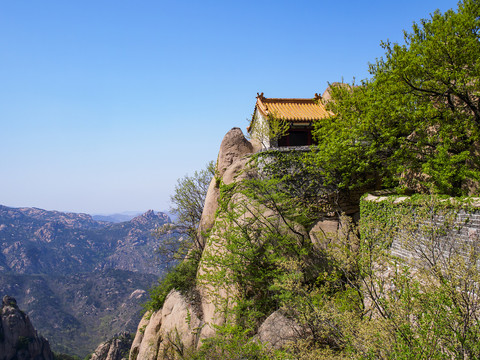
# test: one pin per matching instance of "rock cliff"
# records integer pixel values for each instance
(116, 348)
(184, 324)
(163, 332)
(181, 320)
(18, 338)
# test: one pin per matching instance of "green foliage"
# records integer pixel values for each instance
(233, 342)
(292, 175)
(261, 254)
(348, 296)
(415, 123)
(429, 304)
(187, 204)
(257, 233)
(181, 278)
(270, 131)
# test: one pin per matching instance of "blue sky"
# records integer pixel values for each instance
(104, 104)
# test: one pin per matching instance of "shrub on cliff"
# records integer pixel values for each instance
(427, 302)
(181, 278)
(187, 205)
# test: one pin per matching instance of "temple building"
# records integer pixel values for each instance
(299, 115)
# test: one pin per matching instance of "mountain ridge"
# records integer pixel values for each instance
(80, 280)
(50, 242)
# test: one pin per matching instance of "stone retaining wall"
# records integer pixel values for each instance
(454, 231)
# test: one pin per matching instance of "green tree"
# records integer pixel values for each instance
(181, 278)
(187, 205)
(416, 121)
(268, 131)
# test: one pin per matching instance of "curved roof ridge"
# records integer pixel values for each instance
(293, 109)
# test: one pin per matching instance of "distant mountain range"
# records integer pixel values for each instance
(81, 280)
(116, 218)
(124, 216)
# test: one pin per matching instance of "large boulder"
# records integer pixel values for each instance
(277, 331)
(234, 146)
(181, 325)
(237, 171)
(233, 149)
(18, 338)
(116, 348)
(162, 333)
(137, 341)
(151, 339)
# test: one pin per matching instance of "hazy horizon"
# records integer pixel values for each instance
(126, 212)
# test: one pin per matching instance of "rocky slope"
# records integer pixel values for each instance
(117, 348)
(18, 338)
(34, 241)
(184, 321)
(80, 280)
(180, 320)
(76, 312)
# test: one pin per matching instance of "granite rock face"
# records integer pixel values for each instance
(232, 164)
(210, 207)
(278, 330)
(162, 332)
(18, 338)
(116, 348)
(183, 323)
(233, 147)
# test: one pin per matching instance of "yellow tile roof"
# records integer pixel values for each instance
(294, 110)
